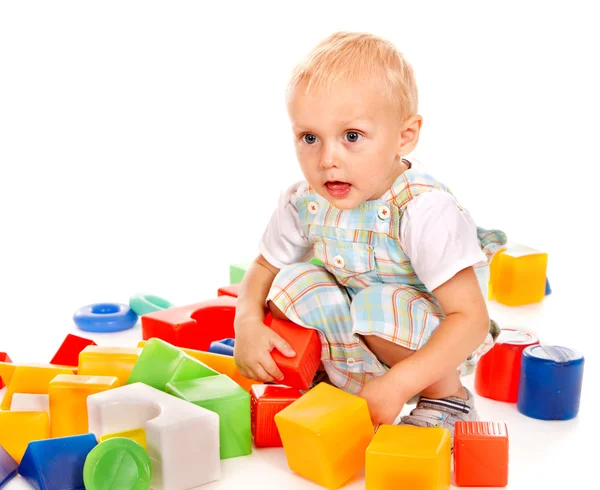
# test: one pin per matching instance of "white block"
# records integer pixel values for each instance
(182, 438)
(25, 402)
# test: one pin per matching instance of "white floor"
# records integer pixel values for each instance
(542, 454)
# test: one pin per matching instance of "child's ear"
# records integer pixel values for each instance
(409, 135)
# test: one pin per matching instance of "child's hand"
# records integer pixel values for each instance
(385, 401)
(252, 352)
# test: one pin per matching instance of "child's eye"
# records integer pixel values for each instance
(309, 139)
(353, 136)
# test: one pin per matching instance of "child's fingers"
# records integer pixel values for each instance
(282, 345)
(271, 367)
(261, 374)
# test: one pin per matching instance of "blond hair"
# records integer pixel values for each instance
(352, 56)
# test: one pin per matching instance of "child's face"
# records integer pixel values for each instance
(348, 143)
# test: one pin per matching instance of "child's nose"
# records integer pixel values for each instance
(329, 159)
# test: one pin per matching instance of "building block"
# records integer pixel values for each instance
(68, 401)
(325, 434)
(316, 261)
(404, 456)
(222, 395)
(498, 371)
(518, 276)
(119, 460)
(25, 402)
(480, 454)
(18, 429)
(68, 352)
(193, 326)
(8, 467)
(266, 401)
(137, 435)
(224, 347)
(237, 272)
(142, 304)
(108, 361)
(161, 363)
(105, 317)
(31, 379)
(182, 438)
(550, 383)
(4, 359)
(298, 371)
(231, 290)
(57, 464)
(220, 363)
(548, 288)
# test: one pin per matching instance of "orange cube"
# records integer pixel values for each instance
(325, 434)
(18, 429)
(404, 456)
(68, 401)
(298, 371)
(4, 359)
(518, 276)
(481, 454)
(265, 402)
(108, 361)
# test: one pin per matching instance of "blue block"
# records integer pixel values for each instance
(8, 467)
(224, 347)
(548, 289)
(57, 464)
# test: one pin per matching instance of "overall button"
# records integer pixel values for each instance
(383, 212)
(313, 207)
(338, 260)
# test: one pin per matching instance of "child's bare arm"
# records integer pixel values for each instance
(253, 339)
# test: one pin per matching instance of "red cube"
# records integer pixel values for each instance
(231, 290)
(68, 352)
(266, 401)
(3, 358)
(481, 454)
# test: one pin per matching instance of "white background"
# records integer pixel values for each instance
(143, 146)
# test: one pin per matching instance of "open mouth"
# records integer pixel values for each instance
(338, 189)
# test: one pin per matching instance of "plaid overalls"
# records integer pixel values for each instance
(367, 285)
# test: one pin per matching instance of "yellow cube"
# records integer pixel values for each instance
(518, 276)
(403, 456)
(325, 434)
(18, 429)
(137, 435)
(97, 360)
(31, 379)
(68, 401)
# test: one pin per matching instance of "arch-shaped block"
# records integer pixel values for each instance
(182, 438)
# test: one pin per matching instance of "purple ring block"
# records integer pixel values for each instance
(8, 467)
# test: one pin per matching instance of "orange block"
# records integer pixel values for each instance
(220, 363)
(403, 456)
(325, 434)
(31, 379)
(481, 454)
(108, 361)
(68, 401)
(18, 429)
(298, 371)
(6, 372)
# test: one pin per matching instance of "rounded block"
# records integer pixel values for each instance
(224, 347)
(498, 371)
(105, 317)
(550, 384)
(142, 304)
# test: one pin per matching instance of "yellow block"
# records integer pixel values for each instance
(68, 401)
(31, 379)
(518, 276)
(97, 360)
(325, 434)
(18, 429)
(220, 363)
(138, 435)
(7, 369)
(403, 456)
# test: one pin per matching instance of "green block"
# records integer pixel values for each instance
(237, 272)
(143, 304)
(316, 261)
(222, 395)
(160, 363)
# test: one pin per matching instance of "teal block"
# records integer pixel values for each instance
(160, 363)
(222, 395)
(237, 272)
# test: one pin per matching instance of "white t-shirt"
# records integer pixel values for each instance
(438, 236)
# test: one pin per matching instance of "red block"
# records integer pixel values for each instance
(265, 402)
(498, 372)
(480, 454)
(298, 371)
(3, 358)
(68, 352)
(231, 290)
(193, 326)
